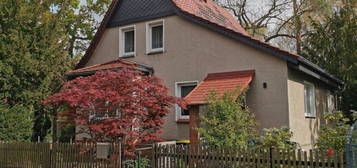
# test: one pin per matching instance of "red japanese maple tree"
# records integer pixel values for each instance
(121, 105)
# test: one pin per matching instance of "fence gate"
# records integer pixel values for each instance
(44, 155)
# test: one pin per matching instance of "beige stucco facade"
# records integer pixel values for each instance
(305, 128)
(192, 51)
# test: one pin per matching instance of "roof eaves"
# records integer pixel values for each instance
(315, 68)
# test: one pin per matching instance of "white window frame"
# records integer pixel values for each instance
(178, 94)
(149, 25)
(122, 53)
(313, 114)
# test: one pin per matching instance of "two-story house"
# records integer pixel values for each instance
(198, 45)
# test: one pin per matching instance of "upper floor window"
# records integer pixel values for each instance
(309, 99)
(155, 36)
(127, 41)
(182, 90)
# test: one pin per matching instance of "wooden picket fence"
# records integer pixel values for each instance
(44, 155)
(181, 156)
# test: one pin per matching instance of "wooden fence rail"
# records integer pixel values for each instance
(179, 156)
(42, 155)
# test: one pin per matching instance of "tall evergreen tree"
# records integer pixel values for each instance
(36, 50)
(332, 44)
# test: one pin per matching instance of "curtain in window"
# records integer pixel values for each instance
(157, 37)
(129, 41)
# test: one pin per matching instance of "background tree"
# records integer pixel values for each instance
(32, 58)
(332, 44)
(82, 19)
(227, 121)
(16, 123)
(115, 105)
(282, 23)
(37, 48)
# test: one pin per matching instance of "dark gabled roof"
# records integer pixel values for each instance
(205, 13)
(130, 11)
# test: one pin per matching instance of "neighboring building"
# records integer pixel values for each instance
(196, 42)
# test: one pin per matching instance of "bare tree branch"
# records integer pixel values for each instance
(279, 35)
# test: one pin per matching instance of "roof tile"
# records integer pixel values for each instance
(105, 66)
(220, 83)
(211, 12)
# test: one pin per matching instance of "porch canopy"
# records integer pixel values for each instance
(219, 83)
(111, 65)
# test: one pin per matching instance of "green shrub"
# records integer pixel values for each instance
(276, 138)
(228, 121)
(333, 135)
(15, 123)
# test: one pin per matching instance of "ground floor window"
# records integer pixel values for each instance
(182, 90)
(309, 99)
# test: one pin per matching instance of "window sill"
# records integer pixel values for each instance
(155, 52)
(183, 121)
(310, 117)
(127, 56)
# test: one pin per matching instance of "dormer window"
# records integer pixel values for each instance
(155, 37)
(127, 41)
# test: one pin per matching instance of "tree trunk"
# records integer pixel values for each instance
(297, 23)
(54, 130)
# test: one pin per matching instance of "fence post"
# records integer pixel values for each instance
(349, 155)
(50, 156)
(271, 157)
(120, 157)
(153, 155)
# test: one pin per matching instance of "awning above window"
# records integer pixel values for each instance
(220, 83)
